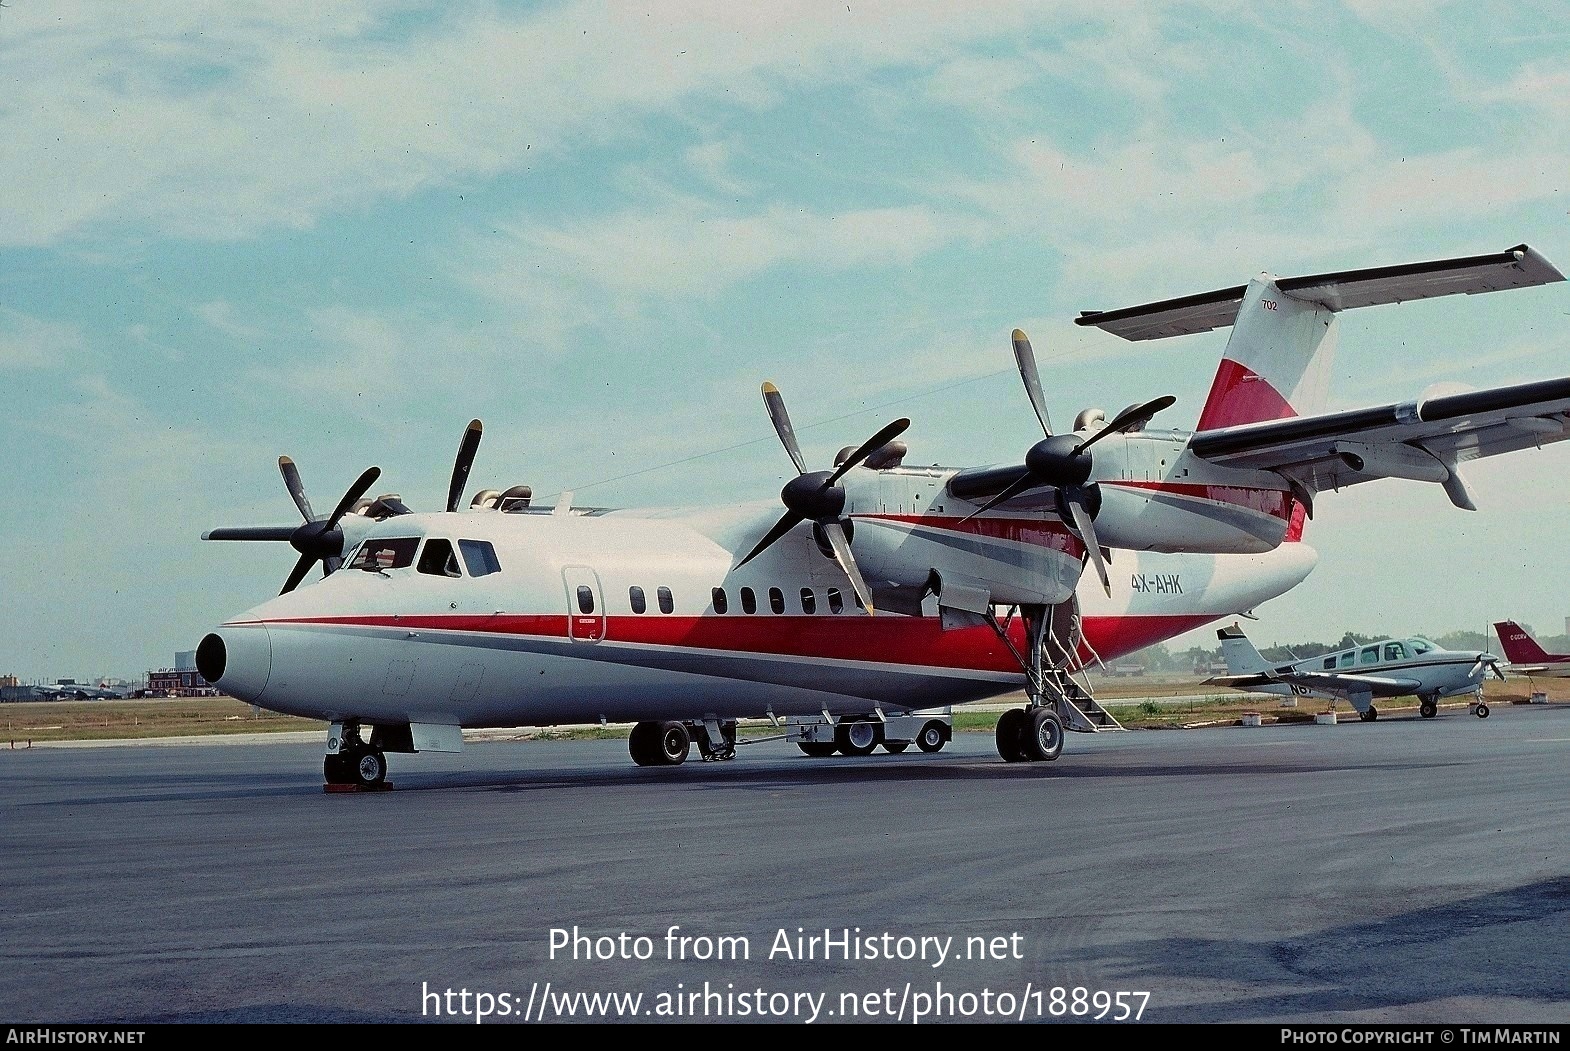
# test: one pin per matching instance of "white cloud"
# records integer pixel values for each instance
(27, 342)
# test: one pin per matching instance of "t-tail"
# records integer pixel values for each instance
(1278, 359)
(1521, 648)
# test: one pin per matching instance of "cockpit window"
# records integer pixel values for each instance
(380, 553)
(1420, 646)
(1394, 651)
(438, 559)
(480, 557)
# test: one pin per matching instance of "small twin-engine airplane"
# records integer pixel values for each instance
(1411, 667)
(1526, 657)
(685, 620)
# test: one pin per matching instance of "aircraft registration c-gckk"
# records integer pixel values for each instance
(683, 621)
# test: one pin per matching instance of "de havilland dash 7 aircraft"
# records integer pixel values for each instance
(1412, 667)
(884, 589)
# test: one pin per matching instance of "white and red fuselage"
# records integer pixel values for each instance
(669, 628)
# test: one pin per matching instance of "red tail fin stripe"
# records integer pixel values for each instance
(1240, 395)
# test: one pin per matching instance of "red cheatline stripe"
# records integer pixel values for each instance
(916, 641)
(1276, 503)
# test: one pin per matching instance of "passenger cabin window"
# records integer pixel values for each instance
(776, 600)
(721, 603)
(1394, 651)
(1370, 655)
(835, 602)
(749, 601)
(391, 553)
(1330, 664)
(585, 599)
(1348, 658)
(667, 603)
(480, 557)
(809, 601)
(438, 559)
(635, 596)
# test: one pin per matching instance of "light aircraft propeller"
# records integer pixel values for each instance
(1492, 664)
(1063, 461)
(817, 496)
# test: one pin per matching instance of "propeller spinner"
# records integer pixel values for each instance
(817, 496)
(1063, 461)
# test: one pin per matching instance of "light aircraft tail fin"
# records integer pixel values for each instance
(1240, 655)
(1519, 646)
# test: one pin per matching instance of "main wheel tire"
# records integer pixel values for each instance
(1011, 735)
(816, 749)
(370, 767)
(643, 744)
(1428, 709)
(674, 744)
(1482, 711)
(895, 747)
(1044, 735)
(857, 736)
(336, 769)
(1369, 716)
(933, 737)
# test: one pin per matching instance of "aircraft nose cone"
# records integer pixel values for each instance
(237, 658)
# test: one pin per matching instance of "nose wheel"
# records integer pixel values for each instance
(355, 765)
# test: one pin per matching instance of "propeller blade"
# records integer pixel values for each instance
(776, 406)
(783, 526)
(1086, 526)
(291, 481)
(1026, 359)
(358, 489)
(1019, 485)
(1127, 417)
(297, 574)
(870, 446)
(331, 564)
(460, 467)
(250, 533)
(840, 543)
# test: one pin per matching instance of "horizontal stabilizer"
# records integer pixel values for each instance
(1519, 267)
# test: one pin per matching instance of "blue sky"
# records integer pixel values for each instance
(339, 232)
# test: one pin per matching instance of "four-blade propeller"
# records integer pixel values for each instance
(321, 539)
(318, 539)
(817, 496)
(1063, 461)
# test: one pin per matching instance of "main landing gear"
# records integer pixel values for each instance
(355, 764)
(1033, 734)
(1030, 735)
(668, 743)
(1369, 715)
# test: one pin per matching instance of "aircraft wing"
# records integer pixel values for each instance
(1424, 440)
(1328, 682)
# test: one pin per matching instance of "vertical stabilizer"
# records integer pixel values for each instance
(1277, 361)
(1241, 656)
(1519, 646)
